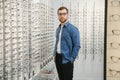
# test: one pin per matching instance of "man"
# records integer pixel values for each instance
(67, 45)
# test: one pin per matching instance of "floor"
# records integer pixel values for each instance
(84, 69)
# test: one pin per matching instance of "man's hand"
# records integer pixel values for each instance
(71, 62)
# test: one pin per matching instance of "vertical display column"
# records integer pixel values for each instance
(113, 40)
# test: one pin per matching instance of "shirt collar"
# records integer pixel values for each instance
(66, 23)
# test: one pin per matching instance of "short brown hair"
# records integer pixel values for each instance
(61, 8)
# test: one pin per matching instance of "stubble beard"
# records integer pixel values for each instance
(62, 20)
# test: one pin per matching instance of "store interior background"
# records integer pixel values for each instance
(27, 37)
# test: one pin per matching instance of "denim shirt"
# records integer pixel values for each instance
(70, 42)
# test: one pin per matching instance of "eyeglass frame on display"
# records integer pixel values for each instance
(113, 4)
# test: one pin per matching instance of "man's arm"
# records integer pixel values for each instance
(76, 43)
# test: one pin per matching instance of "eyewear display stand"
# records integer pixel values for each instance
(26, 38)
(113, 40)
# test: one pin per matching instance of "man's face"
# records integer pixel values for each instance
(62, 15)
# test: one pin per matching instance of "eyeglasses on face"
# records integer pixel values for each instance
(60, 14)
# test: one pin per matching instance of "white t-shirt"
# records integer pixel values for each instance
(59, 41)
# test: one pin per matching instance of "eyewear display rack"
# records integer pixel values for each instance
(113, 40)
(26, 38)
